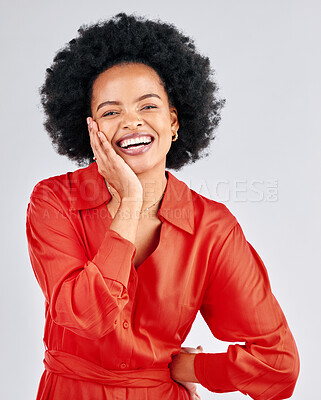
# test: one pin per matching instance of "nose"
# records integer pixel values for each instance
(131, 120)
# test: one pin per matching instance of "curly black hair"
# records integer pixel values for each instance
(186, 75)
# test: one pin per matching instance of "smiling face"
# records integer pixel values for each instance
(131, 107)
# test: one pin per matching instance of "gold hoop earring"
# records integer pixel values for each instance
(175, 136)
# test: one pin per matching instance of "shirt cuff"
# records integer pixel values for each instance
(114, 257)
(211, 372)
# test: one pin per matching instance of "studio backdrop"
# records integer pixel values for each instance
(264, 164)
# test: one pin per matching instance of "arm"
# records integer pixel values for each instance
(239, 306)
(84, 295)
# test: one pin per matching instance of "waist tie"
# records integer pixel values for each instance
(71, 366)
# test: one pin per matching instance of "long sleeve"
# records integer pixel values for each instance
(238, 306)
(84, 295)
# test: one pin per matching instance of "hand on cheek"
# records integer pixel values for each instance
(111, 166)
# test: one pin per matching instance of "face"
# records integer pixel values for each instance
(131, 107)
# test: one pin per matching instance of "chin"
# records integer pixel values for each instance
(140, 167)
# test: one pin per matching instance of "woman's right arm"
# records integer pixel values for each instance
(85, 295)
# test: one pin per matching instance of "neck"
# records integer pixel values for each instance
(153, 183)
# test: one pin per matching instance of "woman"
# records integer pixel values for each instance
(125, 253)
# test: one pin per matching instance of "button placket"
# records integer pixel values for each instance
(125, 335)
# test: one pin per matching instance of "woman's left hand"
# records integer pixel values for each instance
(182, 370)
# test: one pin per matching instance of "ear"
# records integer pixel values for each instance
(174, 119)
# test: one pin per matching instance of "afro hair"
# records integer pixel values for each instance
(186, 75)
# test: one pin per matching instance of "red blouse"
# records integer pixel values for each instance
(111, 329)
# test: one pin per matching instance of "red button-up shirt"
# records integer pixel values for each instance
(106, 319)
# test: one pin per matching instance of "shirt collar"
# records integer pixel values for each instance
(88, 190)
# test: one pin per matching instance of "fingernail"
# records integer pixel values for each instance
(99, 134)
(88, 120)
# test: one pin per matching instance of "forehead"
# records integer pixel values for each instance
(133, 78)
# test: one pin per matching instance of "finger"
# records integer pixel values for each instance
(89, 122)
(103, 141)
(102, 155)
(105, 144)
(95, 143)
(97, 137)
(91, 132)
(187, 349)
(199, 349)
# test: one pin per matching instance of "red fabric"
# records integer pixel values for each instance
(100, 309)
(205, 365)
(70, 366)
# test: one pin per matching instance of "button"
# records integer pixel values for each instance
(115, 322)
(123, 365)
(125, 324)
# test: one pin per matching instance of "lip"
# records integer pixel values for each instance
(134, 135)
(134, 151)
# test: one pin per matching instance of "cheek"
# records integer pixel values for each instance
(160, 123)
(108, 128)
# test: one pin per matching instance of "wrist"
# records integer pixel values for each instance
(182, 368)
(126, 193)
(134, 202)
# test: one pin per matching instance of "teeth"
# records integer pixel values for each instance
(130, 142)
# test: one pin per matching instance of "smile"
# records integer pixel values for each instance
(135, 143)
(142, 140)
(137, 148)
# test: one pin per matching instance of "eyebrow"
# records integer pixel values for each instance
(117, 103)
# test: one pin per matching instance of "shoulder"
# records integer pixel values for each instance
(54, 190)
(212, 216)
(211, 211)
(62, 189)
(79, 190)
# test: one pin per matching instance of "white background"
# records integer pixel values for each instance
(267, 60)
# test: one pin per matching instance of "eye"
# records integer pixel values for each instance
(149, 107)
(109, 113)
